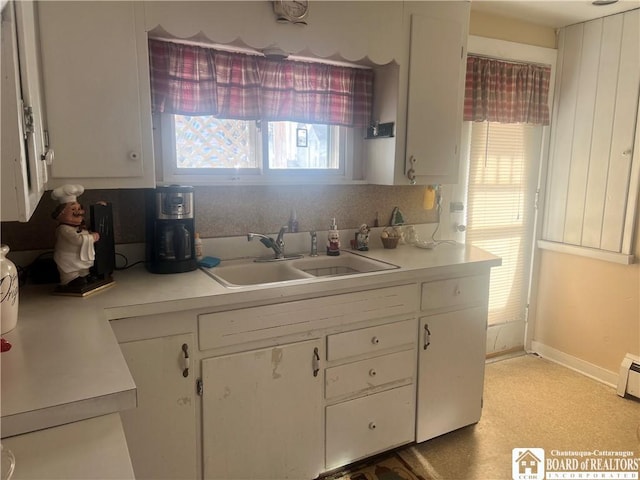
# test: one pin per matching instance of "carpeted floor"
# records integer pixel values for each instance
(529, 402)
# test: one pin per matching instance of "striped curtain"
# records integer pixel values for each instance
(506, 92)
(192, 80)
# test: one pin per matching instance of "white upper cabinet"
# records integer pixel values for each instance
(24, 175)
(592, 184)
(97, 93)
(96, 82)
(426, 95)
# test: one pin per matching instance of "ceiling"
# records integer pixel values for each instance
(552, 13)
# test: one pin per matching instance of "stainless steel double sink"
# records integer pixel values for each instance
(246, 272)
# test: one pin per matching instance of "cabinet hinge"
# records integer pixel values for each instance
(199, 387)
(481, 402)
(537, 199)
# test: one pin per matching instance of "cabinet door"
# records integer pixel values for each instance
(436, 93)
(24, 174)
(95, 70)
(450, 371)
(161, 431)
(593, 177)
(262, 413)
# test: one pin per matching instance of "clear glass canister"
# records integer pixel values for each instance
(8, 292)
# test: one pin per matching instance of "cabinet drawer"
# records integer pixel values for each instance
(269, 321)
(368, 425)
(371, 340)
(454, 291)
(370, 373)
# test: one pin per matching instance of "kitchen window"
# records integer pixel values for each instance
(204, 149)
(233, 117)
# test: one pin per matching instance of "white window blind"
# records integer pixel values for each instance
(503, 168)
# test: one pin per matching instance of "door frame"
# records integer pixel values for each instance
(511, 51)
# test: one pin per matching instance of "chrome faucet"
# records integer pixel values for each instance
(276, 245)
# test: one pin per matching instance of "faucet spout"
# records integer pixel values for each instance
(276, 245)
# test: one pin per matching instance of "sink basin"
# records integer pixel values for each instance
(237, 273)
(245, 272)
(345, 264)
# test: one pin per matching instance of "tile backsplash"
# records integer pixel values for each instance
(225, 211)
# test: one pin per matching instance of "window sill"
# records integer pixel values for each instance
(614, 257)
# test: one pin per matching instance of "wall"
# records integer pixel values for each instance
(236, 210)
(587, 312)
(588, 309)
(503, 28)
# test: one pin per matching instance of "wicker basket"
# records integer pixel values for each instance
(390, 242)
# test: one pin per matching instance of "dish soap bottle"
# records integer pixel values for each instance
(197, 244)
(333, 240)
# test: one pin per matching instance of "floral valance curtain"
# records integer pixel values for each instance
(506, 92)
(193, 80)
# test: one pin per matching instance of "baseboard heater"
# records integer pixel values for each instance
(629, 379)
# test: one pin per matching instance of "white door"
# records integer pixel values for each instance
(502, 181)
(161, 431)
(451, 371)
(24, 175)
(98, 117)
(505, 165)
(435, 100)
(262, 413)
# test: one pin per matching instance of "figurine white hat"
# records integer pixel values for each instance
(67, 193)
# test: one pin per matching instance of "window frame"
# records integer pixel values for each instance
(349, 147)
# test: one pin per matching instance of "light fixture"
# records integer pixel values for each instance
(600, 3)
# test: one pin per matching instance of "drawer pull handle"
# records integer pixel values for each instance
(316, 362)
(375, 340)
(187, 361)
(372, 425)
(427, 336)
(373, 372)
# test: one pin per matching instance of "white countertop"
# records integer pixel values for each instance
(93, 448)
(65, 364)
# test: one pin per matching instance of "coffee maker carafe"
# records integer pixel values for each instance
(170, 230)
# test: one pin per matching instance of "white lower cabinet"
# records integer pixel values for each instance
(294, 389)
(161, 432)
(262, 413)
(451, 371)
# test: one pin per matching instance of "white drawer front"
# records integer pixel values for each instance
(455, 291)
(358, 377)
(371, 340)
(269, 321)
(369, 425)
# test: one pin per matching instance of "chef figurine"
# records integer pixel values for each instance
(362, 238)
(73, 253)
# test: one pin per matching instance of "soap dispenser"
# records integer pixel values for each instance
(333, 240)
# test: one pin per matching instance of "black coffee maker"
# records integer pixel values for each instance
(170, 230)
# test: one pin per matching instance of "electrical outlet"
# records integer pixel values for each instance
(456, 207)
